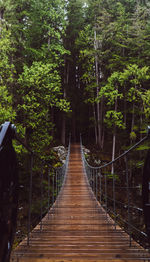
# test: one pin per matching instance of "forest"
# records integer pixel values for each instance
(75, 67)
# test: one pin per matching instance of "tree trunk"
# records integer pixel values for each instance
(103, 138)
(97, 92)
(101, 122)
(66, 77)
(114, 142)
(1, 18)
(113, 149)
(125, 107)
(133, 117)
(95, 125)
(63, 132)
(73, 129)
(52, 120)
(141, 121)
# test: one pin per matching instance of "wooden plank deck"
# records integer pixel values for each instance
(77, 229)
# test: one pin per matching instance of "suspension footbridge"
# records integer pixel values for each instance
(77, 228)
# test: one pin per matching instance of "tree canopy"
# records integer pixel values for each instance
(79, 66)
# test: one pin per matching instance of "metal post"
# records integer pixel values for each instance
(30, 199)
(60, 182)
(56, 184)
(114, 198)
(48, 191)
(106, 193)
(53, 185)
(88, 173)
(89, 176)
(128, 197)
(100, 187)
(96, 183)
(93, 179)
(41, 224)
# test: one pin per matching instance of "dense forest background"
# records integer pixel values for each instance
(75, 66)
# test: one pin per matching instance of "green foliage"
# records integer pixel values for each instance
(132, 135)
(41, 86)
(32, 39)
(40, 91)
(6, 109)
(111, 93)
(49, 51)
(134, 77)
(6, 67)
(113, 176)
(113, 118)
(7, 112)
(143, 147)
(96, 55)
(146, 103)
(139, 164)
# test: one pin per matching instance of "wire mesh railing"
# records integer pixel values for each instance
(45, 183)
(38, 183)
(120, 192)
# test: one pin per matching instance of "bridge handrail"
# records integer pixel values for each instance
(96, 175)
(120, 156)
(7, 134)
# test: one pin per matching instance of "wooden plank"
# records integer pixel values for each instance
(74, 260)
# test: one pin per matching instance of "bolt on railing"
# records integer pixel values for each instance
(120, 192)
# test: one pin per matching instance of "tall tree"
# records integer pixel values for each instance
(37, 30)
(7, 71)
(75, 18)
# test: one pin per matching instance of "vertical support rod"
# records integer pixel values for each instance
(56, 183)
(60, 181)
(87, 172)
(41, 224)
(90, 172)
(106, 193)
(48, 191)
(93, 180)
(114, 197)
(53, 185)
(96, 184)
(100, 187)
(128, 197)
(30, 199)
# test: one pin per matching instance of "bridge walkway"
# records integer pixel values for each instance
(77, 228)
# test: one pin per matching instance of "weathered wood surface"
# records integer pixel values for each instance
(77, 228)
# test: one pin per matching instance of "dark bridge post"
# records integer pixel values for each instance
(146, 192)
(8, 190)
